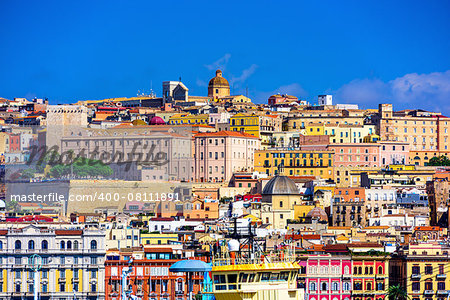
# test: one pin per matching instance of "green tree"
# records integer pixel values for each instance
(439, 161)
(12, 206)
(395, 292)
(82, 168)
(27, 174)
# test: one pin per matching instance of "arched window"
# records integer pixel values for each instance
(75, 245)
(1, 245)
(346, 270)
(324, 286)
(367, 270)
(335, 286)
(62, 245)
(69, 245)
(355, 270)
(369, 286)
(44, 245)
(360, 270)
(346, 286)
(371, 270)
(31, 245)
(380, 270)
(18, 245)
(312, 286)
(94, 245)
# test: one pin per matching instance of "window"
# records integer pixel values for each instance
(44, 245)
(18, 245)
(62, 245)
(94, 245)
(428, 270)
(312, 286)
(441, 286)
(31, 245)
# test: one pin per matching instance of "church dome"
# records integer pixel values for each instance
(218, 80)
(157, 121)
(280, 185)
(318, 213)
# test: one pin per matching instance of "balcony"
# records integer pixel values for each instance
(416, 276)
(443, 292)
(441, 276)
(428, 292)
(62, 279)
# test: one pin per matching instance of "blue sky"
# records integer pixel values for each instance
(363, 52)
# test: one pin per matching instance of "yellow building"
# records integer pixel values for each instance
(315, 129)
(261, 126)
(427, 271)
(423, 130)
(295, 162)
(305, 118)
(158, 238)
(421, 158)
(188, 119)
(348, 133)
(300, 211)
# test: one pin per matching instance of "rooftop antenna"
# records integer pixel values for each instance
(246, 91)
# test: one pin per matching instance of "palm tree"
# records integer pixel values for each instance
(396, 292)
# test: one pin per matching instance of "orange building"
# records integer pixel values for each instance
(201, 209)
(150, 277)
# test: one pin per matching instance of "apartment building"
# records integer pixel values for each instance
(423, 271)
(348, 207)
(150, 277)
(426, 132)
(71, 261)
(261, 126)
(219, 154)
(317, 163)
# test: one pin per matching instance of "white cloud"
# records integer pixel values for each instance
(427, 91)
(244, 75)
(221, 63)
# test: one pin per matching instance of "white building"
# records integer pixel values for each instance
(325, 100)
(72, 262)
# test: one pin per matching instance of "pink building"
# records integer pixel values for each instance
(217, 155)
(328, 276)
(356, 155)
(394, 153)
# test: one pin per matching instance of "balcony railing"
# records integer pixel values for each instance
(416, 276)
(441, 276)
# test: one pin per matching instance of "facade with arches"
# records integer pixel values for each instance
(72, 262)
(328, 276)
